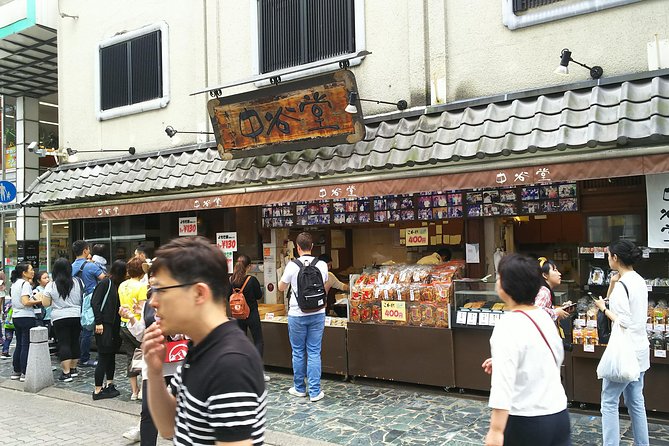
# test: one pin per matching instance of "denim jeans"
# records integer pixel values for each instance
(9, 335)
(306, 334)
(633, 396)
(85, 344)
(22, 326)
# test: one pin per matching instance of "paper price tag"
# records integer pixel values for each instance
(328, 321)
(393, 311)
(590, 348)
(660, 353)
(461, 318)
(492, 320)
(592, 324)
(649, 287)
(472, 318)
(484, 318)
(599, 255)
(660, 327)
(645, 253)
(269, 316)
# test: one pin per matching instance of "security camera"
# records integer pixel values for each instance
(32, 146)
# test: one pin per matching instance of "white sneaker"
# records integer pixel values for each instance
(133, 397)
(294, 392)
(139, 394)
(267, 378)
(132, 434)
(318, 397)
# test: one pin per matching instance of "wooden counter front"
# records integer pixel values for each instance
(419, 355)
(278, 352)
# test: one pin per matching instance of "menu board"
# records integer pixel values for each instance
(425, 206)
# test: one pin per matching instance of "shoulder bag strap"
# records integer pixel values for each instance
(83, 264)
(627, 291)
(245, 282)
(104, 301)
(541, 333)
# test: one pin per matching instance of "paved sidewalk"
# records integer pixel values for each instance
(362, 412)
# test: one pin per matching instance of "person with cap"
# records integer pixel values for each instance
(442, 255)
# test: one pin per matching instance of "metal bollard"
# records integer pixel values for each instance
(38, 370)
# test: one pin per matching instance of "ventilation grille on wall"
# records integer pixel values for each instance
(524, 5)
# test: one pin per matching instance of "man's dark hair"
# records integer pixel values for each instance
(195, 259)
(98, 250)
(143, 249)
(520, 277)
(445, 254)
(118, 272)
(304, 241)
(79, 246)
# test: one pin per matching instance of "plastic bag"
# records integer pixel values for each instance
(619, 362)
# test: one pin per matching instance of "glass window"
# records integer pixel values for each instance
(10, 248)
(604, 229)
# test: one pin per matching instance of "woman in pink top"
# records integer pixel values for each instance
(545, 298)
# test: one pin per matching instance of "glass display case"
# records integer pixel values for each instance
(477, 305)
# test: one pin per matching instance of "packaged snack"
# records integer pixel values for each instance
(427, 293)
(376, 312)
(444, 291)
(414, 293)
(428, 314)
(442, 316)
(596, 276)
(414, 314)
(365, 312)
(403, 293)
(355, 312)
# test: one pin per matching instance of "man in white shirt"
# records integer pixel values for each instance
(305, 330)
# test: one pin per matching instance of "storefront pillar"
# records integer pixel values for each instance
(27, 171)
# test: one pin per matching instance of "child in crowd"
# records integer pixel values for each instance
(9, 330)
(98, 256)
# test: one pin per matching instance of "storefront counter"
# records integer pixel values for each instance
(278, 351)
(419, 355)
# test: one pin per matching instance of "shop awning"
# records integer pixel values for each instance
(628, 119)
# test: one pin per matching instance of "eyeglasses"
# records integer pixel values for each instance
(159, 289)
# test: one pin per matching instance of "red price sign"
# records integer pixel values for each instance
(187, 226)
(393, 311)
(227, 241)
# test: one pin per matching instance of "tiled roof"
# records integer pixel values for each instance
(633, 112)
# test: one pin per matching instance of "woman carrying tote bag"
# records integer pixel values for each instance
(628, 302)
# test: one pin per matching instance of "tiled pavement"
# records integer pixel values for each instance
(370, 412)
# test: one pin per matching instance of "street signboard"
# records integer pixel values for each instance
(7, 192)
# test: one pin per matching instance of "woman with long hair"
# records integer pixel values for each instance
(252, 294)
(23, 315)
(66, 294)
(105, 303)
(546, 297)
(628, 307)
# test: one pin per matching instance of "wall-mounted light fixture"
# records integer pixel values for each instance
(171, 131)
(353, 98)
(72, 152)
(565, 57)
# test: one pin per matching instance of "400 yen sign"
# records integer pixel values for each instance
(393, 311)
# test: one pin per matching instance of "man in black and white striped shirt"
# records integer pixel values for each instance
(218, 396)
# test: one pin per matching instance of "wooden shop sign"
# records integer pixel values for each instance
(294, 116)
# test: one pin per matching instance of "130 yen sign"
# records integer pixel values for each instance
(187, 226)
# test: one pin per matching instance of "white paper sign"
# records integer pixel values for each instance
(461, 318)
(227, 241)
(269, 272)
(269, 316)
(328, 321)
(484, 318)
(660, 353)
(599, 255)
(229, 258)
(472, 318)
(590, 348)
(187, 226)
(472, 252)
(657, 196)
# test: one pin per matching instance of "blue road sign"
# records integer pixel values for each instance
(7, 191)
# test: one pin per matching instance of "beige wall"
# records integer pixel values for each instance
(377, 245)
(486, 58)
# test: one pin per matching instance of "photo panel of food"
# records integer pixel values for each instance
(455, 199)
(529, 193)
(567, 190)
(507, 195)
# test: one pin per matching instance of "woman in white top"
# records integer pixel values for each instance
(529, 405)
(628, 302)
(24, 315)
(66, 293)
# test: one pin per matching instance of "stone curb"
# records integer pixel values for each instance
(272, 438)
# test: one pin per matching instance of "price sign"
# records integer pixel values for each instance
(590, 348)
(416, 237)
(645, 253)
(269, 316)
(660, 353)
(484, 318)
(649, 287)
(227, 241)
(461, 318)
(472, 318)
(393, 310)
(328, 321)
(187, 226)
(599, 255)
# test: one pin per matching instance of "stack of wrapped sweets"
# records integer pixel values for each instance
(425, 290)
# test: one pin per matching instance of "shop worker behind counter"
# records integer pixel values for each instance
(218, 397)
(442, 255)
(305, 330)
